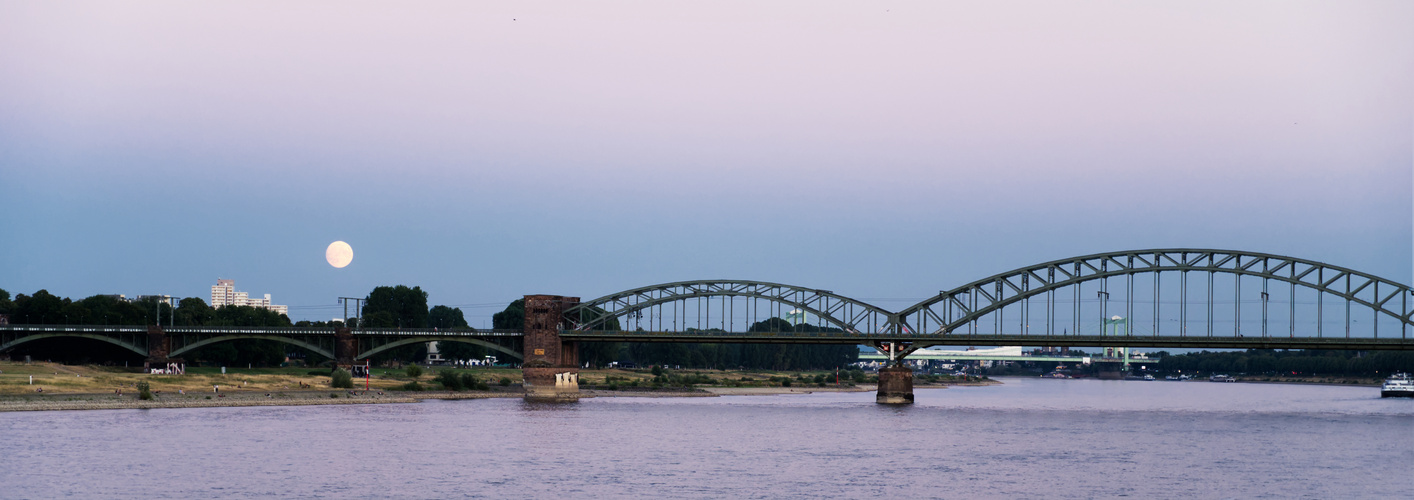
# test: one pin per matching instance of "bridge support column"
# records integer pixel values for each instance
(550, 371)
(345, 348)
(158, 347)
(1109, 371)
(895, 386)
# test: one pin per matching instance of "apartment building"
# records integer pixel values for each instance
(224, 293)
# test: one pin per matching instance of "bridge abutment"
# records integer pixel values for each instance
(550, 369)
(895, 386)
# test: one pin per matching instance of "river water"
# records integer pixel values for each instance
(1027, 438)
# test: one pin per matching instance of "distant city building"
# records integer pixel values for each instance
(224, 293)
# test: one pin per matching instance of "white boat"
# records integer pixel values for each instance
(1221, 378)
(1398, 386)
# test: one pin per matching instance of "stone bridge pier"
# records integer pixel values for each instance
(550, 368)
(158, 348)
(895, 385)
(345, 348)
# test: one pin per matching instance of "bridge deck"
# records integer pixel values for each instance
(920, 355)
(925, 340)
(256, 330)
(784, 337)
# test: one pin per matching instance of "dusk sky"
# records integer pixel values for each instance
(882, 150)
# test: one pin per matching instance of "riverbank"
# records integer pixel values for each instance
(92, 401)
(43, 386)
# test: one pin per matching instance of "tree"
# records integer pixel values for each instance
(446, 317)
(194, 312)
(404, 307)
(6, 306)
(42, 308)
(512, 318)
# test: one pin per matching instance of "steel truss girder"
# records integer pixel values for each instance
(824, 304)
(1073, 271)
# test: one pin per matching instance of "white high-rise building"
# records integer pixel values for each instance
(224, 293)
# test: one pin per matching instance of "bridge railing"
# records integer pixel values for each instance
(258, 330)
(74, 328)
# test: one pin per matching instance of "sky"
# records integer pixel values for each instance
(882, 150)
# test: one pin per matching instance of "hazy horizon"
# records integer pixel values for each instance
(882, 151)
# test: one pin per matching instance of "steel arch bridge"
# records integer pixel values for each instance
(950, 311)
(841, 312)
(954, 317)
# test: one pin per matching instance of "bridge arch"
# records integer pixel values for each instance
(224, 338)
(140, 350)
(402, 342)
(955, 308)
(848, 314)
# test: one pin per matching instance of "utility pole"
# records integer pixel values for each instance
(358, 308)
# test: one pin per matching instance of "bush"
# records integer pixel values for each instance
(481, 386)
(454, 382)
(785, 382)
(411, 386)
(450, 381)
(505, 381)
(414, 371)
(657, 370)
(341, 379)
(144, 390)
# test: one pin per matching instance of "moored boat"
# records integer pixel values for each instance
(1221, 378)
(1398, 385)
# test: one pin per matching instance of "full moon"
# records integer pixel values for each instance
(339, 254)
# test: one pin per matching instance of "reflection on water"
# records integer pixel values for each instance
(1029, 437)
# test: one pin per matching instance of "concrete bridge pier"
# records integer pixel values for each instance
(895, 386)
(550, 369)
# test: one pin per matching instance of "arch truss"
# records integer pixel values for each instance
(727, 305)
(962, 307)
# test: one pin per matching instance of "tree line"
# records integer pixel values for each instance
(386, 306)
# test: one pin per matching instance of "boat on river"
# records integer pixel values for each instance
(1398, 385)
(1221, 378)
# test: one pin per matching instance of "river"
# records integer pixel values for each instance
(1027, 438)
